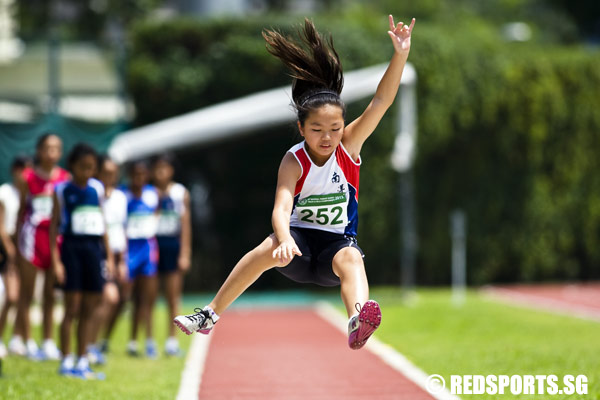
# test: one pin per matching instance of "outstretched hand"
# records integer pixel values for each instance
(400, 35)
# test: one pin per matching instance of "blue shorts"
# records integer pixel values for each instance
(142, 257)
(84, 258)
(318, 249)
(168, 253)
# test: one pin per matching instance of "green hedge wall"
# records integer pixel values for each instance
(507, 131)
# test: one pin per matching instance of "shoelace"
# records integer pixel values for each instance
(357, 307)
(200, 316)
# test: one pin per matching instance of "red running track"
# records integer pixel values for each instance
(294, 355)
(581, 299)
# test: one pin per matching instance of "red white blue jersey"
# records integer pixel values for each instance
(81, 208)
(326, 197)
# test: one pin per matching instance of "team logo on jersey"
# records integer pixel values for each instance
(335, 178)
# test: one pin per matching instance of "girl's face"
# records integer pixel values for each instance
(84, 168)
(162, 173)
(109, 173)
(323, 130)
(50, 152)
(138, 176)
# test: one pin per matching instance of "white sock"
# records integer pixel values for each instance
(83, 363)
(150, 342)
(68, 362)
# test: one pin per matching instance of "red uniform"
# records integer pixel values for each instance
(34, 242)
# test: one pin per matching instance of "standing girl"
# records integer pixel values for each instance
(34, 241)
(174, 236)
(9, 210)
(81, 267)
(115, 209)
(142, 206)
(315, 216)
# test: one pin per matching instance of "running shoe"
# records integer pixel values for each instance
(3, 350)
(50, 351)
(16, 346)
(202, 321)
(103, 346)
(87, 374)
(66, 366)
(151, 350)
(362, 326)
(172, 347)
(34, 353)
(95, 355)
(132, 349)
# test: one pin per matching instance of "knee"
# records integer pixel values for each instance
(347, 261)
(111, 295)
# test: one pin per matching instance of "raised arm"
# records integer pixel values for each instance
(361, 128)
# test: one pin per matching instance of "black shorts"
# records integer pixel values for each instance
(84, 259)
(318, 249)
(168, 254)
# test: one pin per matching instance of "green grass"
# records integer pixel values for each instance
(484, 337)
(126, 377)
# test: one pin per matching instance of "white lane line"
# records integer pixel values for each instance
(191, 376)
(385, 352)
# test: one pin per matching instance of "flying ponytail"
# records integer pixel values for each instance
(314, 66)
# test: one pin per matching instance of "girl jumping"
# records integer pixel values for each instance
(315, 216)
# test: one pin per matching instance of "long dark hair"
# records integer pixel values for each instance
(315, 66)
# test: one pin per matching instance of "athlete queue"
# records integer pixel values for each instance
(102, 244)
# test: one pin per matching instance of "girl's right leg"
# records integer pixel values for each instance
(72, 310)
(28, 275)
(115, 312)
(245, 273)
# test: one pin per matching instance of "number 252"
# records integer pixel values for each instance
(322, 217)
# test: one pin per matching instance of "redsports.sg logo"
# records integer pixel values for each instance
(510, 384)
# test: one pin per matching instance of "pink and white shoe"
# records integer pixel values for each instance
(203, 320)
(362, 326)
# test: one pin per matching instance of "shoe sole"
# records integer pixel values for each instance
(182, 327)
(369, 320)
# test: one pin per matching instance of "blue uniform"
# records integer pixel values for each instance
(82, 228)
(142, 222)
(171, 208)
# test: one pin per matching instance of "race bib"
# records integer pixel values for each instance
(169, 223)
(141, 226)
(41, 207)
(323, 210)
(87, 220)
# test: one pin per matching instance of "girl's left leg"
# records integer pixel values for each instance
(364, 314)
(49, 347)
(172, 282)
(48, 304)
(89, 305)
(348, 265)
